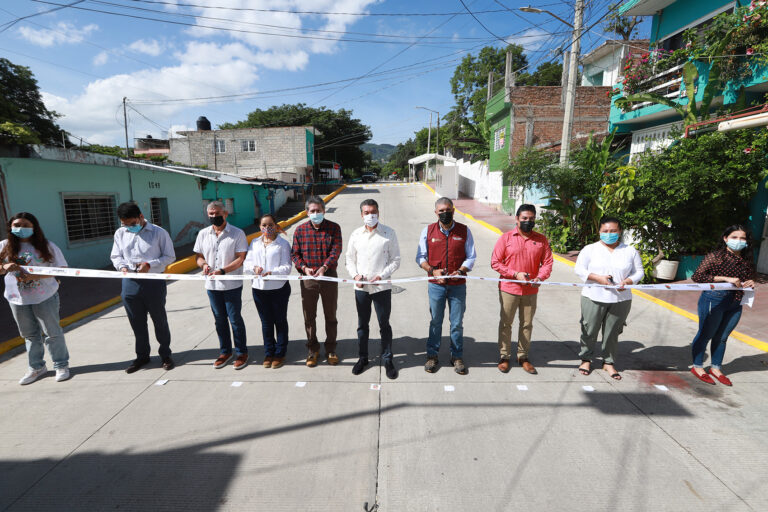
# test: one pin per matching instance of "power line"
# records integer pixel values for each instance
(11, 23)
(481, 23)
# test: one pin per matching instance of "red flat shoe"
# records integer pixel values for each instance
(722, 378)
(704, 377)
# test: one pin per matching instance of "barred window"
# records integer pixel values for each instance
(90, 217)
(159, 206)
(499, 138)
(219, 146)
(248, 145)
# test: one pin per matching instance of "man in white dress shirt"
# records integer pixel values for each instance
(220, 250)
(373, 254)
(140, 247)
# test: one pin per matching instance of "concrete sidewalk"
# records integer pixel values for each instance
(322, 439)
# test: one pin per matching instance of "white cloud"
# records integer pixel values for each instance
(149, 46)
(100, 59)
(62, 33)
(533, 39)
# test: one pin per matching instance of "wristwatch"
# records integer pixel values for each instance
(431, 271)
(462, 272)
(222, 271)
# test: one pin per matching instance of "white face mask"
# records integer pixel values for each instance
(370, 220)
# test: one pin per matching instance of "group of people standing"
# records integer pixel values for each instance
(446, 252)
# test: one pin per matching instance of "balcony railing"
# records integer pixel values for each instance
(667, 83)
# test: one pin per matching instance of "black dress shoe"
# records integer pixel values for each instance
(136, 364)
(360, 366)
(168, 364)
(392, 373)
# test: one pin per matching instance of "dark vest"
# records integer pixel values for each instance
(447, 252)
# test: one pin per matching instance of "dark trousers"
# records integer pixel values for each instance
(328, 293)
(142, 296)
(226, 305)
(382, 302)
(272, 306)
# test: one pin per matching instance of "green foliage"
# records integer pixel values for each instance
(22, 106)
(623, 26)
(341, 138)
(548, 73)
(379, 152)
(105, 150)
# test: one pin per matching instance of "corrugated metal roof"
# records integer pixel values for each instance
(643, 7)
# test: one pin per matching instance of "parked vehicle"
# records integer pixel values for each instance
(369, 177)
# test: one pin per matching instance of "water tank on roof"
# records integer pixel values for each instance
(203, 124)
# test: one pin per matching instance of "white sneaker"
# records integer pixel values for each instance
(62, 374)
(32, 375)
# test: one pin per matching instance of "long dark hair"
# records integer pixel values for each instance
(38, 240)
(745, 253)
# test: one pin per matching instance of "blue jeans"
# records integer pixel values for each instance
(226, 305)
(456, 296)
(718, 315)
(382, 302)
(142, 296)
(38, 320)
(272, 306)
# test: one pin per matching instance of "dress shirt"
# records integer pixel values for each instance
(314, 247)
(621, 263)
(151, 245)
(515, 253)
(219, 251)
(274, 258)
(373, 253)
(469, 247)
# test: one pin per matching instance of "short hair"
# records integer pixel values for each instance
(369, 202)
(215, 204)
(443, 200)
(608, 219)
(525, 208)
(314, 200)
(128, 210)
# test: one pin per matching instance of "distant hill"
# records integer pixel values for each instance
(379, 152)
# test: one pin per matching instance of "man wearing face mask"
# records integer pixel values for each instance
(446, 248)
(315, 252)
(220, 249)
(524, 255)
(140, 246)
(373, 255)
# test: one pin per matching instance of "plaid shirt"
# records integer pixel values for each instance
(314, 247)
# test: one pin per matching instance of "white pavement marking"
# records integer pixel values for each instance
(449, 388)
(661, 387)
(161, 382)
(237, 384)
(522, 387)
(375, 387)
(301, 384)
(587, 388)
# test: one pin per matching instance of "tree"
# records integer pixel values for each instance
(341, 138)
(620, 25)
(24, 119)
(548, 73)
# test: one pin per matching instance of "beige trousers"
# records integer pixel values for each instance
(510, 304)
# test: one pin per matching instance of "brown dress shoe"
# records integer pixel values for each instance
(222, 360)
(312, 359)
(168, 364)
(267, 362)
(503, 365)
(278, 362)
(241, 361)
(333, 359)
(527, 366)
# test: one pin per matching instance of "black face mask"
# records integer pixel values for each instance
(526, 226)
(217, 220)
(446, 218)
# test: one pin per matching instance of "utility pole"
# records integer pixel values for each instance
(570, 95)
(429, 133)
(437, 135)
(125, 124)
(215, 149)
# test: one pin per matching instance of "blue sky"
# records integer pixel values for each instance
(87, 61)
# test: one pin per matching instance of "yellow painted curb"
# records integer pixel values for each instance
(11, 344)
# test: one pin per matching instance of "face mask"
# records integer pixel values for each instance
(134, 229)
(217, 220)
(526, 226)
(22, 232)
(316, 218)
(446, 217)
(609, 238)
(270, 231)
(736, 245)
(370, 220)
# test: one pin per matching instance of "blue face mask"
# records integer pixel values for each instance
(736, 245)
(316, 218)
(609, 238)
(134, 229)
(22, 232)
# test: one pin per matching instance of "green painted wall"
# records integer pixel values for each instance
(37, 186)
(245, 211)
(680, 14)
(497, 113)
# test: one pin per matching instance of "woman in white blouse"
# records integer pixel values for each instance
(607, 262)
(270, 254)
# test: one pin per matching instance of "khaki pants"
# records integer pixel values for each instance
(510, 304)
(611, 318)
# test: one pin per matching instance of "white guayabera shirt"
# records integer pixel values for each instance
(220, 251)
(373, 253)
(621, 263)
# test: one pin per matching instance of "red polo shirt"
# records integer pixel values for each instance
(515, 253)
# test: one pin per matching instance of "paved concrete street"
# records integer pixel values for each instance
(426, 442)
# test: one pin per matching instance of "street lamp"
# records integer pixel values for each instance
(573, 63)
(429, 133)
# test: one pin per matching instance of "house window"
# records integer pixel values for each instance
(248, 145)
(159, 207)
(229, 205)
(499, 138)
(675, 41)
(219, 146)
(89, 217)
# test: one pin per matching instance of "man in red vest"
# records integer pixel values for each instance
(446, 248)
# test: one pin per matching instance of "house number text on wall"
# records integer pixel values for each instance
(154, 184)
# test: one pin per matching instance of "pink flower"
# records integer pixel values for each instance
(747, 150)
(750, 51)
